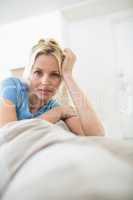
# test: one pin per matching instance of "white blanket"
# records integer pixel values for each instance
(42, 161)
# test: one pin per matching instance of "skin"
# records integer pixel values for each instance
(45, 79)
(90, 124)
(45, 76)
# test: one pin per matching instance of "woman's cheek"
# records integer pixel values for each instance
(56, 83)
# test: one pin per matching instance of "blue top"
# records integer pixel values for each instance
(16, 91)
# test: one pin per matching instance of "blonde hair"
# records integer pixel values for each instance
(48, 47)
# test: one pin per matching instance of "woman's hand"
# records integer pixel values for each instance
(89, 121)
(58, 113)
(68, 63)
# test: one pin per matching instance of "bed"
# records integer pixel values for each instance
(44, 161)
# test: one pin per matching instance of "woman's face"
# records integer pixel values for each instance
(45, 78)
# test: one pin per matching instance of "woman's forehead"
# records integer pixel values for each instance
(44, 62)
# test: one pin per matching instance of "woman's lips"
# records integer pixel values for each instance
(45, 91)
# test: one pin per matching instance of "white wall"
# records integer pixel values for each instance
(96, 44)
(16, 39)
(123, 32)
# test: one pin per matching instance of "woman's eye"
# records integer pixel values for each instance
(56, 75)
(37, 72)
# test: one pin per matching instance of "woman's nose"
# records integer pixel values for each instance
(45, 79)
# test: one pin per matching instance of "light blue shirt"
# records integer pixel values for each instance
(16, 90)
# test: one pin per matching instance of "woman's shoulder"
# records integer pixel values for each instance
(13, 89)
(12, 81)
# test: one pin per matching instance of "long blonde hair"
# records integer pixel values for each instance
(48, 47)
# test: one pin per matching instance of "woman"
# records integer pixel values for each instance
(50, 66)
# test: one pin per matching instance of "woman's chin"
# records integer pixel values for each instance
(43, 98)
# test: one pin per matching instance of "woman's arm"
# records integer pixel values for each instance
(53, 115)
(74, 125)
(67, 114)
(58, 113)
(89, 121)
(7, 112)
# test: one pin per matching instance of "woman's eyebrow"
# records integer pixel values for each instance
(55, 71)
(37, 68)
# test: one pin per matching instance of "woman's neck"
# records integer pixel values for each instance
(34, 102)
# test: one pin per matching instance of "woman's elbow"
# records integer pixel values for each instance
(95, 131)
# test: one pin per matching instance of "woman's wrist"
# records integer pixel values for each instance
(52, 115)
(59, 111)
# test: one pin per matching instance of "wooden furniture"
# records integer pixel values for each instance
(17, 72)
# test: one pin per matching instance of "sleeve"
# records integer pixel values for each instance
(8, 90)
(54, 103)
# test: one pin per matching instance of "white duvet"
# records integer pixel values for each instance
(42, 161)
